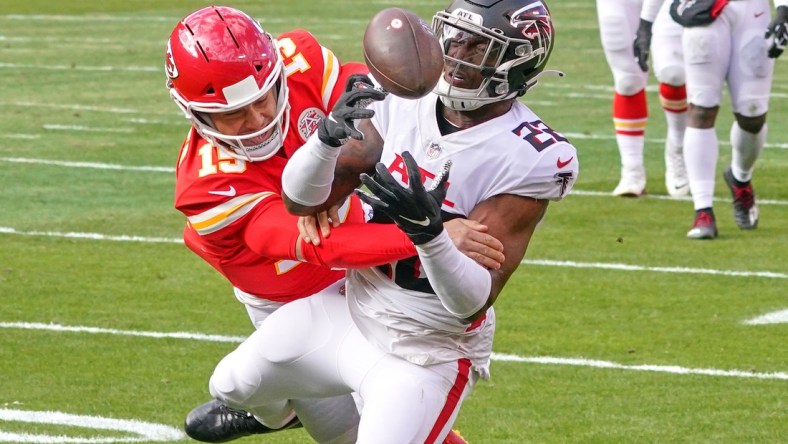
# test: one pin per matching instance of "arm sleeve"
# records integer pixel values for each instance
(356, 245)
(462, 285)
(273, 232)
(309, 173)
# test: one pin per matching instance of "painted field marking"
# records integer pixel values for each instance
(628, 267)
(536, 262)
(775, 317)
(93, 236)
(94, 165)
(550, 360)
(163, 169)
(58, 127)
(68, 68)
(140, 431)
(112, 331)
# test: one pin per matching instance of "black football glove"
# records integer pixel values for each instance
(778, 28)
(415, 210)
(338, 126)
(643, 44)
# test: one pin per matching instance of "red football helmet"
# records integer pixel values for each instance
(220, 59)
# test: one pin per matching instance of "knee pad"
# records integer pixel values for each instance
(628, 84)
(226, 385)
(672, 75)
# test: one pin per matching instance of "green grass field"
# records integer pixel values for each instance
(616, 329)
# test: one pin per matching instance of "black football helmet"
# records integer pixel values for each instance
(512, 41)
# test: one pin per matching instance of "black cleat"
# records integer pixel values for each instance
(215, 422)
(705, 225)
(745, 210)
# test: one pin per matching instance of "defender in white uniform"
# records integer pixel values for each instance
(731, 50)
(515, 154)
(412, 337)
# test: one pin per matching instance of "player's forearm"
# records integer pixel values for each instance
(307, 178)
(462, 285)
(359, 246)
(650, 9)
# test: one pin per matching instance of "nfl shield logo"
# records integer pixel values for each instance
(434, 150)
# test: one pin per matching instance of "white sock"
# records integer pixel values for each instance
(746, 148)
(701, 150)
(631, 150)
(677, 125)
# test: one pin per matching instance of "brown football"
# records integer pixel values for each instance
(402, 53)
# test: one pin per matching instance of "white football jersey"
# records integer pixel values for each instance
(517, 154)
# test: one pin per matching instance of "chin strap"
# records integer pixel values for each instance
(531, 83)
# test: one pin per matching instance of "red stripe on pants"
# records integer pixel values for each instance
(452, 399)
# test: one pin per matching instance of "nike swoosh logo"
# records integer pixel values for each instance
(560, 164)
(758, 14)
(228, 193)
(423, 223)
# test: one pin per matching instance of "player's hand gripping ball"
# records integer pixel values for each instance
(402, 53)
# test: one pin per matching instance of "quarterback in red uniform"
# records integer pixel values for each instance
(253, 100)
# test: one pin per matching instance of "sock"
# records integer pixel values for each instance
(630, 114)
(746, 148)
(674, 102)
(701, 150)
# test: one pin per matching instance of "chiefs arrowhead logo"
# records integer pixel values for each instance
(169, 64)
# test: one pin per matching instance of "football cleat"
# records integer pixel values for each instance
(745, 210)
(705, 225)
(215, 422)
(676, 180)
(631, 185)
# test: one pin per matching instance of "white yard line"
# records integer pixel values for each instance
(94, 165)
(549, 360)
(776, 317)
(91, 129)
(131, 430)
(67, 68)
(533, 262)
(93, 236)
(76, 107)
(160, 169)
(679, 270)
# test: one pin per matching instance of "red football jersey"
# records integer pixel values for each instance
(236, 219)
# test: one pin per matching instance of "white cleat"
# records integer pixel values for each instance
(631, 186)
(676, 180)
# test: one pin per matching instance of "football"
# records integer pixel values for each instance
(402, 53)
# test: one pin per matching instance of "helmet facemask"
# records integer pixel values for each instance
(239, 146)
